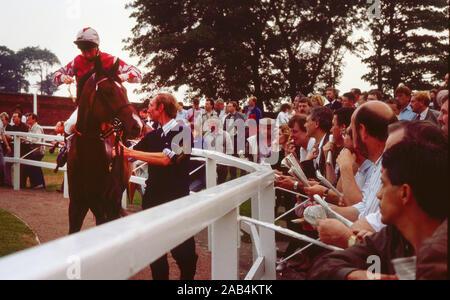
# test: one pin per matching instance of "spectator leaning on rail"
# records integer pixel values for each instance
(341, 121)
(88, 42)
(168, 169)
(301, 146)
(369, 126)
(318, 125)
(416, 214)
(418, 131)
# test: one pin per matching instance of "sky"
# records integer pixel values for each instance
(53, 24)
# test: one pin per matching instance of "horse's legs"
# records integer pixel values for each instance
(77, 213)
(99, 212)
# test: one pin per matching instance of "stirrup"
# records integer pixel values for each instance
(63, 153)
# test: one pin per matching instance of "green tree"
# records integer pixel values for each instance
(46, 86)
(12, 74)
(39, 62)
(410, 44)
(232, 48)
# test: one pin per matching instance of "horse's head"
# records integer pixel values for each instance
(108, 101)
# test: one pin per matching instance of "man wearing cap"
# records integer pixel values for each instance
(88, 42)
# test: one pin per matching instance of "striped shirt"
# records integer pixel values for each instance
(370, 202)
(364, 173)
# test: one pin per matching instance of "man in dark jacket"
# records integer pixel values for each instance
(332, 97)
(414, 205)
(168, 169)
(18, 126)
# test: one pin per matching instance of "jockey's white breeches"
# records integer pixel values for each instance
(69, 125)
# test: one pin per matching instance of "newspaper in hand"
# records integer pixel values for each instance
(296, 170)
(331, 212)
(328, 184)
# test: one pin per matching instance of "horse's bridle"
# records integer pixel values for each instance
(117, 125)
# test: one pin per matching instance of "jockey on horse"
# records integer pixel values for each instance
(88, 42)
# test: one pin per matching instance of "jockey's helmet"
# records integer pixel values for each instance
(87, 38)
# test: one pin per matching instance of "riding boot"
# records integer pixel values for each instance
(64, 152)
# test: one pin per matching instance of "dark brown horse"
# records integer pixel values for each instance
(96, 178)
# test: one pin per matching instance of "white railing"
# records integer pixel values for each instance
(121, 248)
(17, 160)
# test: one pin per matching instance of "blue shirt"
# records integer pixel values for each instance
(370, 202)
(182, 115)
(407, 114)
(254, 113)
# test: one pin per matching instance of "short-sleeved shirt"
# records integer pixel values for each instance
(37, 129)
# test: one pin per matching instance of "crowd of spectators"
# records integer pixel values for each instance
(30, 148)
(387, 157)
(353, 140)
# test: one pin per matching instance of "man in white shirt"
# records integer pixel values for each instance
(219, 107)
(299, 140)
(208, 113)
(369, 126)
(35, 173)
(333, 231)
(318, 125)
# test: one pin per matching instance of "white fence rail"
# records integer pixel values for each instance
(17, 160)
(121, 248)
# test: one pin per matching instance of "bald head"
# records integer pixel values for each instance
(376, 117)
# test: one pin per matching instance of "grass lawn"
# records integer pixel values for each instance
(52, 181)
(14, 234)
